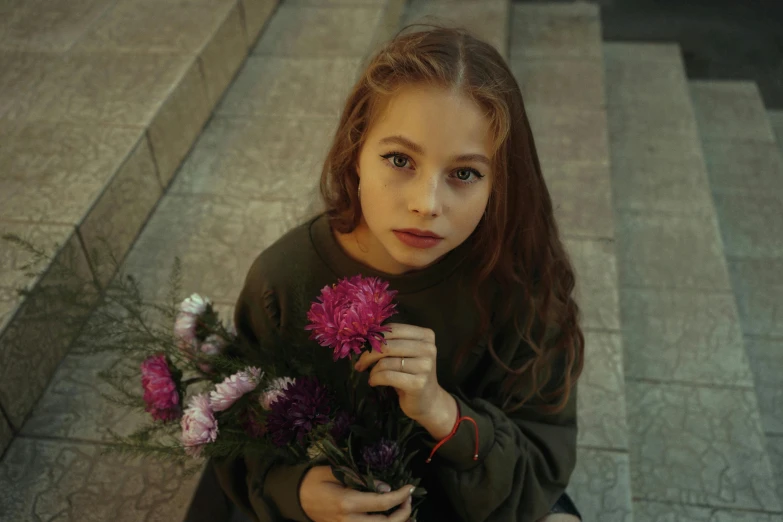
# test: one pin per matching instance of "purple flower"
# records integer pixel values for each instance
(304, 405)
(160, 390)
(199, 426)
(233, 387)
(341, 426)
(350, 313)
(381, 455)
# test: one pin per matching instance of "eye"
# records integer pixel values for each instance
(398, 159)
(467, 173)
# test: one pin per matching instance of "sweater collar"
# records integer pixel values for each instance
(343, 265)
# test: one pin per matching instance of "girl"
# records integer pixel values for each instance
(433, 184)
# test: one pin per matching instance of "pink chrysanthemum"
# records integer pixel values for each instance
(199, 426)
(232, 388)
(275, 391)
(350, 313)
(160, 390)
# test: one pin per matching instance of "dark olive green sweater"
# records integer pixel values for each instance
(525, 459)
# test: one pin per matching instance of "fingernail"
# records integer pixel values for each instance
(384, 488)
(411, 491)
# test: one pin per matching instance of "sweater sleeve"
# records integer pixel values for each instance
(525, 459)
(263, 487)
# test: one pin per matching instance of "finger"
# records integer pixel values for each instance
(403, 513)
(382, 487)
(357, 502)
(412, 365)
(397, 348)
(409, 331)
(402, 381)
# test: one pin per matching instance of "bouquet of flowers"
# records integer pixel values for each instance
(203, 399)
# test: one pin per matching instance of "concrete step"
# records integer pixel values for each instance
(695, 433)
(240, 188)
(99, 103)
(556, 58)
(746, 176)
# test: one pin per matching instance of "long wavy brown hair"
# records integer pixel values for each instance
(517, 243)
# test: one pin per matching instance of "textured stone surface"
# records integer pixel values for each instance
(22, 72)
(44, 180)
(730, 109)
(223, 55)
(487, 19)
(72, 406)
(560, 83)
(58, 480)
(555, 30)
(647, 247)
(178, 123)
(746, 221)
(9, 300)
(35, 341)
(582, 198)
(650, 72)
(602, 393)
(596, 288)
(150, 26)
(256, 14)
(698, 445)
(758, 289)
(748, 166)
(5, 434)
(683, 336)
(645, 120)
(44, 237)
(775, 452)
(599, 486)
(644, 511)
(297, 31)
(120, 211)
(569, 134)
(216, 239)
(672, 184)
(99, 87)
(776, 120)
(766, 360)
(291, 87)
(24, 28)
(265, 158)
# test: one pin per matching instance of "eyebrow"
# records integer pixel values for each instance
(415, 147)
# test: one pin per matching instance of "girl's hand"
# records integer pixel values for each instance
(416, 382)
(325, 499)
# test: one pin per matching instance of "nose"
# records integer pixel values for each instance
(425, 198)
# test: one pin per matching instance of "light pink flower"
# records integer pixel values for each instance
(199, 426)
(275, 390)
(186, 325)
(232, 388)
(213, 345)
(160, 391)
(195, 304)
(350, 314)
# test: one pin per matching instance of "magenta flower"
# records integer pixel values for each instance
(160, 390)
(199, 426)
(350, 313)
(275, 391)
(233, 387)
(304, 405)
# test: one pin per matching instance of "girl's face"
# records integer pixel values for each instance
(425, 164)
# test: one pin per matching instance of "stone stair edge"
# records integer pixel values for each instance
(252, 15)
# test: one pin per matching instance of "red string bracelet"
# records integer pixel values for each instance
(453, 431)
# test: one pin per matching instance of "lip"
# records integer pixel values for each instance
(415, 241)
(419, 232)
